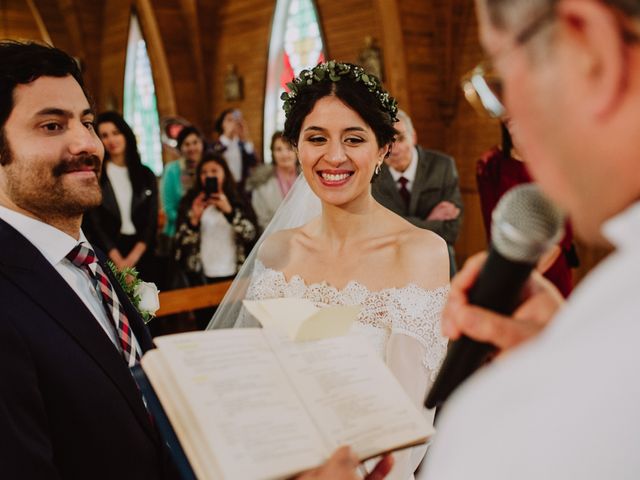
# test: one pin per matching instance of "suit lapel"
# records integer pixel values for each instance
(33, 274)
(109, 202)
(390, 190)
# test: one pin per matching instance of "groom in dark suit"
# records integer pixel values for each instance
(69, 407)
(421, 186)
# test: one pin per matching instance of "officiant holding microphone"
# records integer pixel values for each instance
(563, 403)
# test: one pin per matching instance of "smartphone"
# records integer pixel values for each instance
(210, 186)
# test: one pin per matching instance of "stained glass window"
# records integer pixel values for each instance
(296, 43)
(140, 107)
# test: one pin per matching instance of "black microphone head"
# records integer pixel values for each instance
(525, 224)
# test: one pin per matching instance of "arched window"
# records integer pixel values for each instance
(140, 107)
(296, 43)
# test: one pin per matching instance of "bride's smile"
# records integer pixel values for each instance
(334, 178)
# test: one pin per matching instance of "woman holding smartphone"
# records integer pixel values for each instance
(215, 227)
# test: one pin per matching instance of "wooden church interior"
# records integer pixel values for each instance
(193, 47)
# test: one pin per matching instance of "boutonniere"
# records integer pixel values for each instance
(143, 295)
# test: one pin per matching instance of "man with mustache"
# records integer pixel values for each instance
(564, 403)
(69, 408)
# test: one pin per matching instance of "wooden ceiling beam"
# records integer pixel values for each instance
(158, 58)
(42, 28)
(395, 63)
(190, 13)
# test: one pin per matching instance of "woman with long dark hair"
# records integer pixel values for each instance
(216, 228)
(125, 224)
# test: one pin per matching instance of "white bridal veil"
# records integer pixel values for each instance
(299, 206)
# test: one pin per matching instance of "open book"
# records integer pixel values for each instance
(252, 404)
(300, 319)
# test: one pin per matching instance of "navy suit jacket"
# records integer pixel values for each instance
(69, 408)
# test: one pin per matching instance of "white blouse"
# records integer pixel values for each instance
(123, 191)
(217, 244)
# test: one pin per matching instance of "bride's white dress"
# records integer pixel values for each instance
(402, 324)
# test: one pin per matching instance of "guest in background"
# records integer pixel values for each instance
(422, 186)
(270, 183)
(498, 171)
(125, 224)
(236, 145)
(215, 228)
(179, 175)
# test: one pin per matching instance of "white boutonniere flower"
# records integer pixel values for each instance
(143, 295)
(149, 299)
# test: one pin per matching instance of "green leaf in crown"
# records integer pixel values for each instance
(335, 72)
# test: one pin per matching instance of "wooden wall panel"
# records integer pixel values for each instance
(240, 32)
(174, 32)
(54, 21)
(17, 22)
(346, 24)
(113, 53)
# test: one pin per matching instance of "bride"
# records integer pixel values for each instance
(354, 252)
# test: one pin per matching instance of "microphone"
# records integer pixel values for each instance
(524, 225)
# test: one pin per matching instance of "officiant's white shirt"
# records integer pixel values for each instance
(566, 405)
(54, 245)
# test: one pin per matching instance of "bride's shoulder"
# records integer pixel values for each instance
(275, 246)
(276, 249)
(425, 254)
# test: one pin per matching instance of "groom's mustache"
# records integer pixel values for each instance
(78, 163)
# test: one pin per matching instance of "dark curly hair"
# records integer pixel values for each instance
(185, 132)
(131, 153)
(24, 62)
(354, 95)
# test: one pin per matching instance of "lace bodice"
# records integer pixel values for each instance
(410, 310)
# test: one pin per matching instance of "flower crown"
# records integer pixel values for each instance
(334, 71)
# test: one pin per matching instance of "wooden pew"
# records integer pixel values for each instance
(193, 298)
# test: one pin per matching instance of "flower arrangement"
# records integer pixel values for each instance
(334, 71)
(143, 295)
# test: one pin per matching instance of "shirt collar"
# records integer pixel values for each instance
(54, 244)
(623, 230)
(410, 172)
(226, 141)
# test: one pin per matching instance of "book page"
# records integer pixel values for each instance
(246, 410)
(300, 319)
(354, 398)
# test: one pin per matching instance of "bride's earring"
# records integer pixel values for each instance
(377, 169)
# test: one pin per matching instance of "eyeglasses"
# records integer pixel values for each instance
(483, 87)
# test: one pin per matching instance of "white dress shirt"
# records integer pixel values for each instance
(567, 404)
(409, 173)
(123, 191)
(54, 245)
(233, 154)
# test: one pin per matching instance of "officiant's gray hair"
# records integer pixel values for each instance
(512, 14)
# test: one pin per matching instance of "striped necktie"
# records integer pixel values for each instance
(84, 257)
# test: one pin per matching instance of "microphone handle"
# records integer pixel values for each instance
(497, 288)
